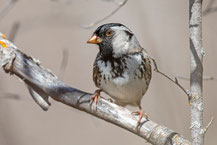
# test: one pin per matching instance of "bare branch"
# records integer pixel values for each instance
(5, 7)
(13, 32)
(44, 82)
(115, 1)
(63, 1)
(120, 5)
(175, 81)
(204, 78)
(40, 98)
(9, 96)
(210, 9)
(196, 71)
(64, 63)
(208, 125)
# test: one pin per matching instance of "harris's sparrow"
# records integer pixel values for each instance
(122, 68)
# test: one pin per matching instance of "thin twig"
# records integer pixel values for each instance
(210, 9)
(63, 1)
(65, 58)
(175, 81)
(204, 78)
(208, 125)
(183, 78)
(5, 7)
(13, 32)
(9, 96)
(87, 26)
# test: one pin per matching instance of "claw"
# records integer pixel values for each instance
(96, 96)
(141, 114)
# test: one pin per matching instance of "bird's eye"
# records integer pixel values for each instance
(109, 33)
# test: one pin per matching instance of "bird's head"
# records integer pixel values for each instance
(114, 40)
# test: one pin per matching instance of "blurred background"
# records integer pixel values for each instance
(51, 30)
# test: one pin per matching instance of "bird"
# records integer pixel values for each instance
(122, 68)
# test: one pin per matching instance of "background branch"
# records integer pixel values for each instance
(44, 82)
(13, 32)
(5, 95)
(205, 78)
(210, 9)
(64, 62)
(5, 7)
(175, 81)
(208, 125)
(92, 24)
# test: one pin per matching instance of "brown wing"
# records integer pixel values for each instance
(147, 63)
(148, 73)
(96, 74)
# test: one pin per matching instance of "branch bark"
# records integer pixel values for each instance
(45, 83)
(196, 74)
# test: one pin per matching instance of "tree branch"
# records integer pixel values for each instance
(208, 125)
(13, 32)
(210, 9)
(205, 78)
(45, 83)
(175, 81)
(65, 58)
(121, 4)
(5, 7)
(196, 72)
(6, 95)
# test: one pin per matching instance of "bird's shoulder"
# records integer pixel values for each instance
(145, 61)
(147, 64)
(96, 73)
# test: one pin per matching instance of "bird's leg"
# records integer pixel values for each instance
(96, 96)
(141, 114)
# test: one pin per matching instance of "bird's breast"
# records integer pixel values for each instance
(123, 79)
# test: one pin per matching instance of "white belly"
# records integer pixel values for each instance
(129, 92)
(127, 88)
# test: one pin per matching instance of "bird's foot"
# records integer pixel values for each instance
(96, 96)
(141, 114)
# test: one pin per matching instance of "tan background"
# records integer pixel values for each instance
(49, 26)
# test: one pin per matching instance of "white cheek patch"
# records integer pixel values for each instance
(120, 43)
